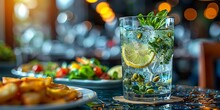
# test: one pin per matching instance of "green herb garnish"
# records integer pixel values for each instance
(50, 73)
(157, 21)
(163, 43)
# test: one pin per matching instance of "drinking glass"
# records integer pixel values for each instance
(147, 54)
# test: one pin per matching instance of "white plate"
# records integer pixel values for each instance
(88, 95)
(92, 84)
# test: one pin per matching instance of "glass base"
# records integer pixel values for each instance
(146, 98)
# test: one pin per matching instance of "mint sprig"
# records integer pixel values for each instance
(160, 44)
(163, 46)
(157, 21)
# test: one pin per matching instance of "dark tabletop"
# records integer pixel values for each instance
(194, 98)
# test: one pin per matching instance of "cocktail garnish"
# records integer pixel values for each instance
(157, 21)
(162, 43)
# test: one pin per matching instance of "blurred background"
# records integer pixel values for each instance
(61, 30)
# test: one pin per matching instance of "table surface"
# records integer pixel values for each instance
(194, 98)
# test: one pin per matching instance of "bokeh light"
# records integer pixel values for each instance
(115, 51)
(177, 17)
(64, 4)
(163, 6)
(110, 19)
(62, 18)
(210, 13)
(179, 32)
(193, 47)
(101, 5)
(88, 24)
(21, 11)
(107, 15)
(105, 11)
(214, 29)
(190, 14)
(213, 5)
(31, 4)
(91, 1)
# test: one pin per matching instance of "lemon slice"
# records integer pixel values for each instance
(118, 69)
(137, 55)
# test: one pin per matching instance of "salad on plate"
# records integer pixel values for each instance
(82, 68)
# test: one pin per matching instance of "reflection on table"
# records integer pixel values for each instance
(194, 98)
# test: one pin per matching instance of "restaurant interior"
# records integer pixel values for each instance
(65, 31)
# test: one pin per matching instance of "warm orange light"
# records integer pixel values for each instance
(21, 11)
(109, 19)
(108, 15)
(190, 14)
(88, 24)
(91, 1)
(210, 13)
(163, 6)
(31, 4)
(214, 6)
(104, 10)
(101, 5)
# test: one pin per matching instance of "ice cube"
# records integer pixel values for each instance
(123, 31)
(147, 27)
(149, 35)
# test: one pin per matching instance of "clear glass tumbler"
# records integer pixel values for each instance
(147, 54)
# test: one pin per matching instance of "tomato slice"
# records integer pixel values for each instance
(98, 71)
(37, 68)
(105, 76)
(62, 72)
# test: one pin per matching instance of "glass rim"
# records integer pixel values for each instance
(145, 16)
